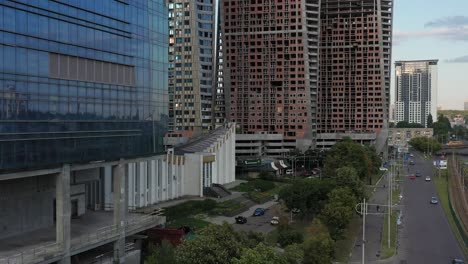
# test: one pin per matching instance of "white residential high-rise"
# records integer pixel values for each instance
(415, 91)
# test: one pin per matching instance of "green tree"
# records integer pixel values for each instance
(260, 254)
(294, 253)
(308, 195)
(339, 210)
(319, 248)
(347, 177)
(215, 244)
(288, 236)
(347, 153)
(405, 124)
(430, 122)
(164, 254)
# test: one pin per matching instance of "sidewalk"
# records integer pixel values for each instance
(374, 225)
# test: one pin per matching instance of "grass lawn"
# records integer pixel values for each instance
(198, 224)
(225, 207)
(385, 251)
(344, 246)
(441, 186)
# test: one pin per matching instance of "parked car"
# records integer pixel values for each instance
(259, 212)
(274, 220)
(241, 219)
(412, 177)
(457, 261)
(418, 174)
(411, 155)
(411, 162)
(296, 210)
(434, 200)
(428, 178)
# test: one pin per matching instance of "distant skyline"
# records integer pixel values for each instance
(434, 29)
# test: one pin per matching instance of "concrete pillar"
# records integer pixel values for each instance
(63, 212)
(120, 210)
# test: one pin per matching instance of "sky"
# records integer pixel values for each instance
(435, 29)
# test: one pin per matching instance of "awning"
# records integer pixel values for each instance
(282, 164)
(273, 166)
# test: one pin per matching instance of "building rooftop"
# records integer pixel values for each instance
(202, 143)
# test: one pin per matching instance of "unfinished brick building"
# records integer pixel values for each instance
(355, 61)
(271, 56)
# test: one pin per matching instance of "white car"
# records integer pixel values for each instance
(274, 220)
(428, 178)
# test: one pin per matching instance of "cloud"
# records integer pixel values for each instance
(462, 59)
(453, 21)
(455, 33)
(453, 28)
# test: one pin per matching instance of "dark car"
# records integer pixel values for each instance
(457, 261)
(411, 162)
(418, 174)
(259, 212)
(241, 219)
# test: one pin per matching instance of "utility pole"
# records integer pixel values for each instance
(389, 201)
(363, 212)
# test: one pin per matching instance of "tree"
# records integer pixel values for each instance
(425, 144)
(405, 124)
(260, 254)
(215, 244)
(293, 253)
(308, 195)
(339, 210)
(318, 249)
(347, 177)
(164, 254)
(429, 121)
(288, 236)
(351, 154)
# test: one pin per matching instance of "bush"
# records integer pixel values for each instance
(189, 208)
(287, 236)
(263, 185)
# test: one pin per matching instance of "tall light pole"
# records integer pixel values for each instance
(390, 200)
(363, 212)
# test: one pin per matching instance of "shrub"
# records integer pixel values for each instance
(287, 236)
(263, 185)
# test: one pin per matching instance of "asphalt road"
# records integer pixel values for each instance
(425, 236)
(258, 223)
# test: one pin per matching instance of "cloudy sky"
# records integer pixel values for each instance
(435, 29)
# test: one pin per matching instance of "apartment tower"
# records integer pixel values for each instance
(271, 73)
(355, 62)
(193, 39)
(415, 91)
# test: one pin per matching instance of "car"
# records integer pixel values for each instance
(383, 169)
(411, 162)
(434, 200)
(296, 210)
(259, 212)
(418, 174)
(457, 261)
(411, 155)
(428, 178)
(412, 177)
(241, 219)
(274, 220)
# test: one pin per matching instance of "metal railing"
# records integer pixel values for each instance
(53, 250)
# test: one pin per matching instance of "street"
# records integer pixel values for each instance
(425, 236)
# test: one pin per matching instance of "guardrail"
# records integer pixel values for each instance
(53, 250)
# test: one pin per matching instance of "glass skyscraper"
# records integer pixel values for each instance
(81, 80)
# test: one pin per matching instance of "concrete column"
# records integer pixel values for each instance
(63, 212)
(120, 210)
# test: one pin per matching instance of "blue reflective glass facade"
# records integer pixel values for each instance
(81, 80)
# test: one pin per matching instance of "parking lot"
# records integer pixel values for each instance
(259, 223)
